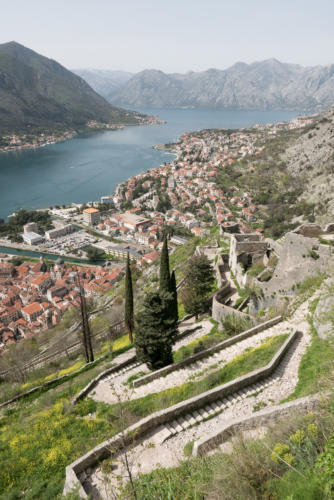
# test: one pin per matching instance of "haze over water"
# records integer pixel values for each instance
(89, 166)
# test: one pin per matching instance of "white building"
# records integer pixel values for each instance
(60, 231)
(32, 238)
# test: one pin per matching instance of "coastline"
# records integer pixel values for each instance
(46, 141)
(42, 140)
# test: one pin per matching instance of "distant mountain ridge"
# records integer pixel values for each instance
(105, 82)
(37, 92)
(268, 84)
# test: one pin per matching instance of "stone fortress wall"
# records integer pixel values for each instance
(300, 255)
(245, 250)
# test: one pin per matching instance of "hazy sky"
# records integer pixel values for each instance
(172, 35)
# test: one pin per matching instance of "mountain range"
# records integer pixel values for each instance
(268, 84)
(38, 93)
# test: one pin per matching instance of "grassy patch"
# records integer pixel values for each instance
(316, 367)
(188, 449)
(187, 482)
(305, 289)
(181, 254)
(181, 309)
(131, 379)
(310, 284)
(9, 390)
(214, 337)
(37, 442)
(255, 269)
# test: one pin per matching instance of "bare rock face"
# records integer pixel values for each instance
(266, 84)
(309, 230)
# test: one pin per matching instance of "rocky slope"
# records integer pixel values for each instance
(311, 157)
(37, 92)
(268, 84)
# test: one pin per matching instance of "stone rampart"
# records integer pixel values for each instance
(220, 268)
(219, 310)
(245, 247)
(300, 257)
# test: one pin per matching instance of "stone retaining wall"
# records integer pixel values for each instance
(148, 424)
(220, 311)
(206, 352)
(261, 418)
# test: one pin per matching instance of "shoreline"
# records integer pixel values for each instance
(71, 134)
(46, 142)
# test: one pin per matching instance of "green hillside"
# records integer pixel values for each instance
(37, 92)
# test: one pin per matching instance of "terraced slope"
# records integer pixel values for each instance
(164, 445)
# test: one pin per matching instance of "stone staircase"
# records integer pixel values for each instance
(196, 417)
(125, 369)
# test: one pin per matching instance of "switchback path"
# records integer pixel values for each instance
(152, 451)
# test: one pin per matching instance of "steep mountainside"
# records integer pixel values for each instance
(104, 82)
(311, 158)
(261, 85)
(37, 92)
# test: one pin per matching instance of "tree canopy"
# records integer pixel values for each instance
(164, 268)
(156, 330)
(199, 280)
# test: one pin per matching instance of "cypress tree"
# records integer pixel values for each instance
(173, 290)
(156, 330)
(128, 313)
(164, 268)
(199, 279)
